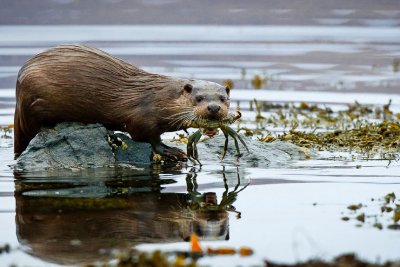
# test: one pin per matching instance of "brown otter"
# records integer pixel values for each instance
(84, 84)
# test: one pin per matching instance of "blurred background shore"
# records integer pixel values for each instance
(310, 45)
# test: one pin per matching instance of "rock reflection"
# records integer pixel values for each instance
(81, 219)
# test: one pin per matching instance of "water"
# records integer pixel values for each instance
(289, 212)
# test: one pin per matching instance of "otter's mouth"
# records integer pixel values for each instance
(210, 132)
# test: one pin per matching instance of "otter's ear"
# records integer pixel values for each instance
(228, 90)
(188, 88)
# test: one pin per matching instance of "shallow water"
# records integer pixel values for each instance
(289, 212)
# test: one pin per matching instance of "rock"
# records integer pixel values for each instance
(78, 146)
(136, 152)
(260, 154)
(75, 145)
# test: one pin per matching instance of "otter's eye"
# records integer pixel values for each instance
(199, 98)
(222, 98)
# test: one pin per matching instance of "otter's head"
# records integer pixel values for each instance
(205, 101)
(209, 100)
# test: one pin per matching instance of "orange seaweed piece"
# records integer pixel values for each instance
(221, 251)
(194, 240)
(245, 251)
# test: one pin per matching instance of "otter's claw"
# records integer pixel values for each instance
(172, 153)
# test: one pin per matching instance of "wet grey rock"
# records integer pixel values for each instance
(75, 145)
(136, 152)
(260, 154)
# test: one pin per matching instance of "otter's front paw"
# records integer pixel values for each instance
(172, 153)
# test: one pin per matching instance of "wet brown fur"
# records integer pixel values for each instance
(84, 84)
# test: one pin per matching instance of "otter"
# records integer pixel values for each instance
(83, 84)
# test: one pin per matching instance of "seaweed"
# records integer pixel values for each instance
(365, 129)
(387, 215)
(368, 138)
(345, 260)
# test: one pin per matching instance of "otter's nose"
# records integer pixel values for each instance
(213, 109)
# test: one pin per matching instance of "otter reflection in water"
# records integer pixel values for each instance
(58, 224)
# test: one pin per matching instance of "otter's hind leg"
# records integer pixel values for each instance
(21, 140)
(25, 128)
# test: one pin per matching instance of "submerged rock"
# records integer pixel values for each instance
(75, 145)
